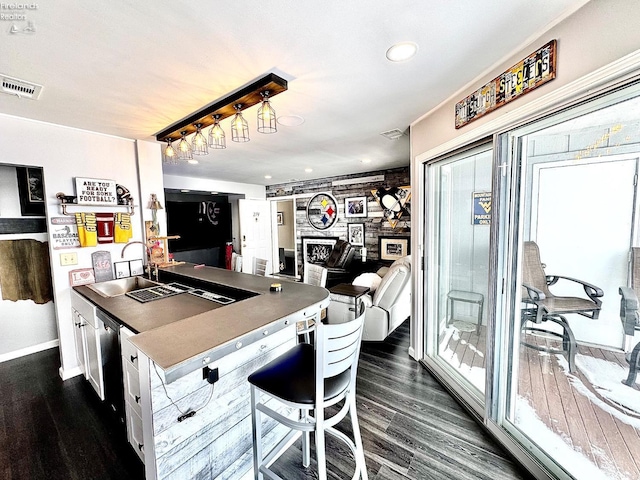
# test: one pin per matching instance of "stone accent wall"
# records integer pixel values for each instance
(374, 224)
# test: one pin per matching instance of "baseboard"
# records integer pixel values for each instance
(412, 353)
(5, 357)
(69, 373)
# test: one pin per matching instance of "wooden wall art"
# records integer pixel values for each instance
(525, 76)
(394, 202)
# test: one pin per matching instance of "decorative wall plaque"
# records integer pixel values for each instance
(102, 266)
(525, 76)
(96, 191)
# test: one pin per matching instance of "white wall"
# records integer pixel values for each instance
(25, 326)
(9, 198)
(65, 153)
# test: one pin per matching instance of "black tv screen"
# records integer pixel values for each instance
(200, 224)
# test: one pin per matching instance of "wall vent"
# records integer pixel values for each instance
(394, 134)
(21, 88)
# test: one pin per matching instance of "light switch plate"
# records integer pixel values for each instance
(68, 259)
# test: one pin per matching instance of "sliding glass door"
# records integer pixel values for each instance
(459, 209)
(530, 240)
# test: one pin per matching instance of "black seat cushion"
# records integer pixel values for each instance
(291, 377)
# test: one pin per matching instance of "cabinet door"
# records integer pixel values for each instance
(94, 357)
(79, 324)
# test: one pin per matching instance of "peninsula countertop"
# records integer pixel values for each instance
(183, 332)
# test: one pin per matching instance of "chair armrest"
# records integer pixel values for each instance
(534, 293)
(592, 291)
(629, 310)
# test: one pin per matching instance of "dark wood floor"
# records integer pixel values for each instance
(411, 427)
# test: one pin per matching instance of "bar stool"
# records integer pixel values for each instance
(310, 377)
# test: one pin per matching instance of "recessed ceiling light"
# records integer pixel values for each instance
(402, 51)
(267, 176)
(193, 161)
(184, 190)
(308, 170)
(290, 120)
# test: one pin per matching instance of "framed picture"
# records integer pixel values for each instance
(280, 218)
(31, 190)
(393, 248)
(317, 249)
(355, 234)
(355, 207)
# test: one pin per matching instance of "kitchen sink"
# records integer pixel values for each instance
(113, 288)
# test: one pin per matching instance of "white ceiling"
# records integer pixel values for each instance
(132, 68)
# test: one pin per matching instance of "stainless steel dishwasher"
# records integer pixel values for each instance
(112, 366)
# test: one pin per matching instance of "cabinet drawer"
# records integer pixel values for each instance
(134, 431)
(129, 350)
(132, 386)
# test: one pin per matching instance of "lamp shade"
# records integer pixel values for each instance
(239, 127)
(184, 149)
(199, 142)
(217, 138)
(266, 116)
(169, 154)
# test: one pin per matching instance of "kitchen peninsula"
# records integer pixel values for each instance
(185, 353)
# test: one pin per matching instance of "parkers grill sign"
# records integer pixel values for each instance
(526, 75)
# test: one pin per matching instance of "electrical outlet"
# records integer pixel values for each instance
(68, 259)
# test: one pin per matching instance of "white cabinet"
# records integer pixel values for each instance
(132, 397)
(79, 323)
(88, 332)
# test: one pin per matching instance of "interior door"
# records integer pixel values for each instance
(582, 221)
(255, 231)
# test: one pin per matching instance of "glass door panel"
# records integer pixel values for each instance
(574, 196)
(459, 209)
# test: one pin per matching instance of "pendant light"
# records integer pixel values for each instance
(266, 115)
(239, 126)
(170, 155)
(217, 138)
(184, 149)
(199, 142)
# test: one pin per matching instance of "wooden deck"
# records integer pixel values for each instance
(587, 423)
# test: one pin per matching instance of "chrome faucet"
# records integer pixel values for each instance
(148, 250)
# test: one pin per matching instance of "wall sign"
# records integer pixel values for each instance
(82, 276)
(525, 76)
(481, 208)
(64, 233)
(96, 191)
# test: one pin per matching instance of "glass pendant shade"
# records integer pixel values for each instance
(199, 143)
(266, 116)
(169, 155)
(216, 135)
(184, 149)
(239, 127)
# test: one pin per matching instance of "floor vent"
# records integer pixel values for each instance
(21, 88)
(394, 134)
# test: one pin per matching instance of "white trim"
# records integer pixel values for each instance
(70, 372)
(5, 357)
(620, 70)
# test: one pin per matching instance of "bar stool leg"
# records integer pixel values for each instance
(256, 426)
(306, 447)
(360, 462)
(320, 446)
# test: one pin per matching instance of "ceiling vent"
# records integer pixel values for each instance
(21, 88)
(394, 134)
